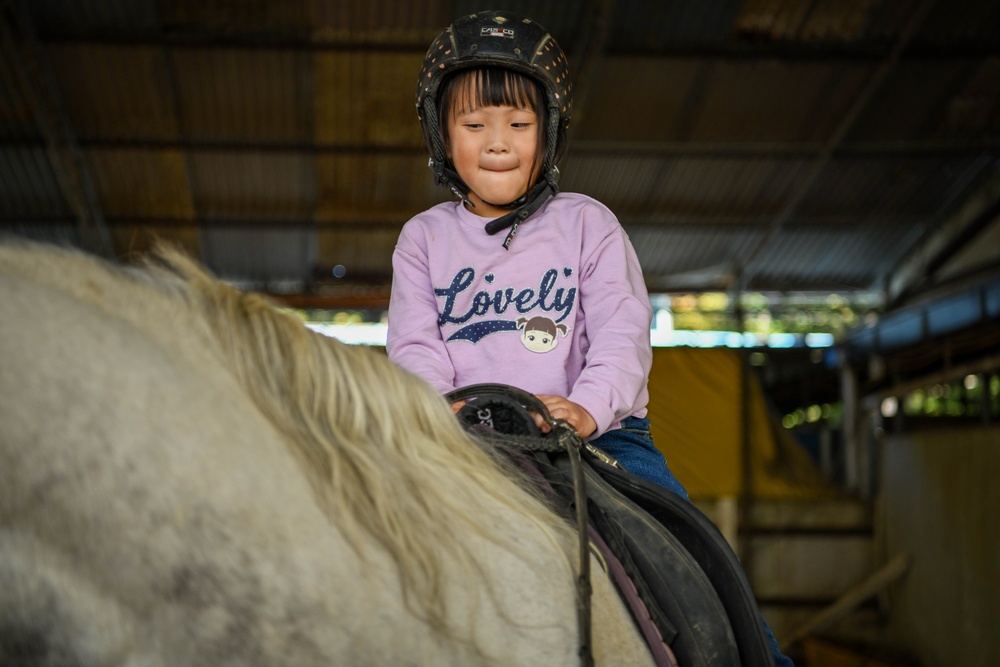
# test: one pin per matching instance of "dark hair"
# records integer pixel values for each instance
(541, 323)
(496, 86)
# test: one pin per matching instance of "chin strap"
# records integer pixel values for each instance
(533, 200)
(523, 208)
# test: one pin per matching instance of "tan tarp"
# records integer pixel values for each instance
(695, 408)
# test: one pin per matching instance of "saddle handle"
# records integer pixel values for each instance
(527, 400)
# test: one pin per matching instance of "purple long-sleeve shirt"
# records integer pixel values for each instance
(564, 311)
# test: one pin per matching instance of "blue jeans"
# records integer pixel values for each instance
(632, 445)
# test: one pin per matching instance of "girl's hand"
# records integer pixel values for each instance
(561, 407)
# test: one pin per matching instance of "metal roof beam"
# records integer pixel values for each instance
(367, 220)
(579, 148)
(917, 271)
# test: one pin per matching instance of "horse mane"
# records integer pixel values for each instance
(382, 449)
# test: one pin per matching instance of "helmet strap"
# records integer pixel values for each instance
(439, 156)
(536, 196)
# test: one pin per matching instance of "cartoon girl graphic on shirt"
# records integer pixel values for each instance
(539, 334)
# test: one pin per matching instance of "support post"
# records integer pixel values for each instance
(851, 424)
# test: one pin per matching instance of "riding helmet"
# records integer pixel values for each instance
(496, 38)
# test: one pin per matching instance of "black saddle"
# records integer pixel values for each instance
(683, 569)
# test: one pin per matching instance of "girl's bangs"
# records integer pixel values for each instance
(496, 86)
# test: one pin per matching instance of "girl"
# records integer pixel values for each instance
(494, 100)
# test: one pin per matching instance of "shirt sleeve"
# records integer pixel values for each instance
(414, 339)
(618, 314)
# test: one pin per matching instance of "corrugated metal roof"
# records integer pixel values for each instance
(744, 143)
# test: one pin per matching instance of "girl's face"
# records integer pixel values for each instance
(493, 149)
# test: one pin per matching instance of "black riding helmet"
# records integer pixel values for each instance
(499, 39)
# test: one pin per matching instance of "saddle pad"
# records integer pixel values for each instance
(662, 655)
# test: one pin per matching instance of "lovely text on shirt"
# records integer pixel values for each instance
(547, 297)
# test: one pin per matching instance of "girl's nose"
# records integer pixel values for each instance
(497, 142)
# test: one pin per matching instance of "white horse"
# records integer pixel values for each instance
(189, 476)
